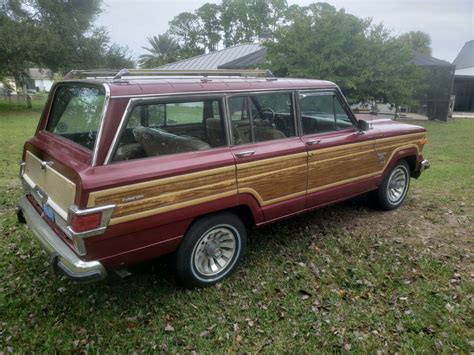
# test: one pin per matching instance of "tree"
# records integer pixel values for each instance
(319, 41)
(164, 49)
(418, 41)
(247, 21)
(187, 28)
(58, 35)
(208, 15)
(117, 57)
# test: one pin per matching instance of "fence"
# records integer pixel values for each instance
(20, 99)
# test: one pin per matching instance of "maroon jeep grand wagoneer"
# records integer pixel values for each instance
(127, 168)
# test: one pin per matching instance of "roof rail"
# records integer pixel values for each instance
(119, 75)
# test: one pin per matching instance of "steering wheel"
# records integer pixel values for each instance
(261, 114)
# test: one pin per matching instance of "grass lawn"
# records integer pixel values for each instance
(344, 278)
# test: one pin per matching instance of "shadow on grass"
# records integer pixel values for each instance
(263, 242)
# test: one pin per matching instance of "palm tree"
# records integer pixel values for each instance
(164, 49)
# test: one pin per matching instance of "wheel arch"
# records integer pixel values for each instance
(409, 154)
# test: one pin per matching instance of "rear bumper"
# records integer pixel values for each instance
(62, 257)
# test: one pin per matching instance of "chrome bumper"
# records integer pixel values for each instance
(425, 164)
(62, 257)
(422, 166)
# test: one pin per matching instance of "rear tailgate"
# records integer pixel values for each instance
(48, 186)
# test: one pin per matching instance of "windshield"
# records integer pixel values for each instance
(76, 113)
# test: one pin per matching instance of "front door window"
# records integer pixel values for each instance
(323, 112)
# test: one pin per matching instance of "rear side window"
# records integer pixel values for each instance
(165, 128)
(76, 113)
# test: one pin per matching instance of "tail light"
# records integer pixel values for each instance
(82, 223)
(87, 223)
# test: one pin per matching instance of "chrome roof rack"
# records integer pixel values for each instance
(124, 74)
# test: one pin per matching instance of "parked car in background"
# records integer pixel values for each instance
(129, 168)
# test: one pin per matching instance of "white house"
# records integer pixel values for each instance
(40, 79)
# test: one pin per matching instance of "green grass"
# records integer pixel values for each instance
(450, 149)
(339, 279)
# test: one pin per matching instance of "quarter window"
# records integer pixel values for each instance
(322, 112)
(262, 117)
(157, 129)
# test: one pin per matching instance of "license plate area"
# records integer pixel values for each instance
(49, 212)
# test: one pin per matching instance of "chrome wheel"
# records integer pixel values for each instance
(214, 252)
(397, 184)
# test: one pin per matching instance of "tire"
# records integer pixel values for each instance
(393, 190)
(211, 250)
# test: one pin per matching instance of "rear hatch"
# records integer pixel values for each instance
(62, 148)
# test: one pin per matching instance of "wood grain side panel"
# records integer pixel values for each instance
(153, 197)
(335, 166)
(274, 179)
(330, 166)
(341, 151)
(387, 148)
(327, 172)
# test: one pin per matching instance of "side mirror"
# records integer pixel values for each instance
(362, 125)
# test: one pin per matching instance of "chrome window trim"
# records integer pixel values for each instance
(158, 99)
(118, 133)
(228, 127)
(98, 138)
(221, 94)
(242, 91)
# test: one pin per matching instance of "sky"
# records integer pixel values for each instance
(450, 23)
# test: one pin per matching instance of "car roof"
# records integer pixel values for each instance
(175, 85)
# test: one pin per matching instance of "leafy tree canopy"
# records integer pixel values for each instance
(319, 41)
(53, 34)
(418, 41)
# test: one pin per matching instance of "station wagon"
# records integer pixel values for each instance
(130, 167)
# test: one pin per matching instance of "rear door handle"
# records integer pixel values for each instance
(246, 153)
(313, 141)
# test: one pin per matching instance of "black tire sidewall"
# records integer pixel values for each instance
(186, 271)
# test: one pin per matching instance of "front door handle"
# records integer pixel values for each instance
(246, 153)
(313, 141)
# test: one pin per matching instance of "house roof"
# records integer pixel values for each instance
(425, 60)
(465, 58)
(40, 74)
(250, 60)
(244, 55)
(465, 72)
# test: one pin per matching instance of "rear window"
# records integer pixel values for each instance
(76, 113)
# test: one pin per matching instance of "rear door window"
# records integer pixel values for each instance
(261, 117)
